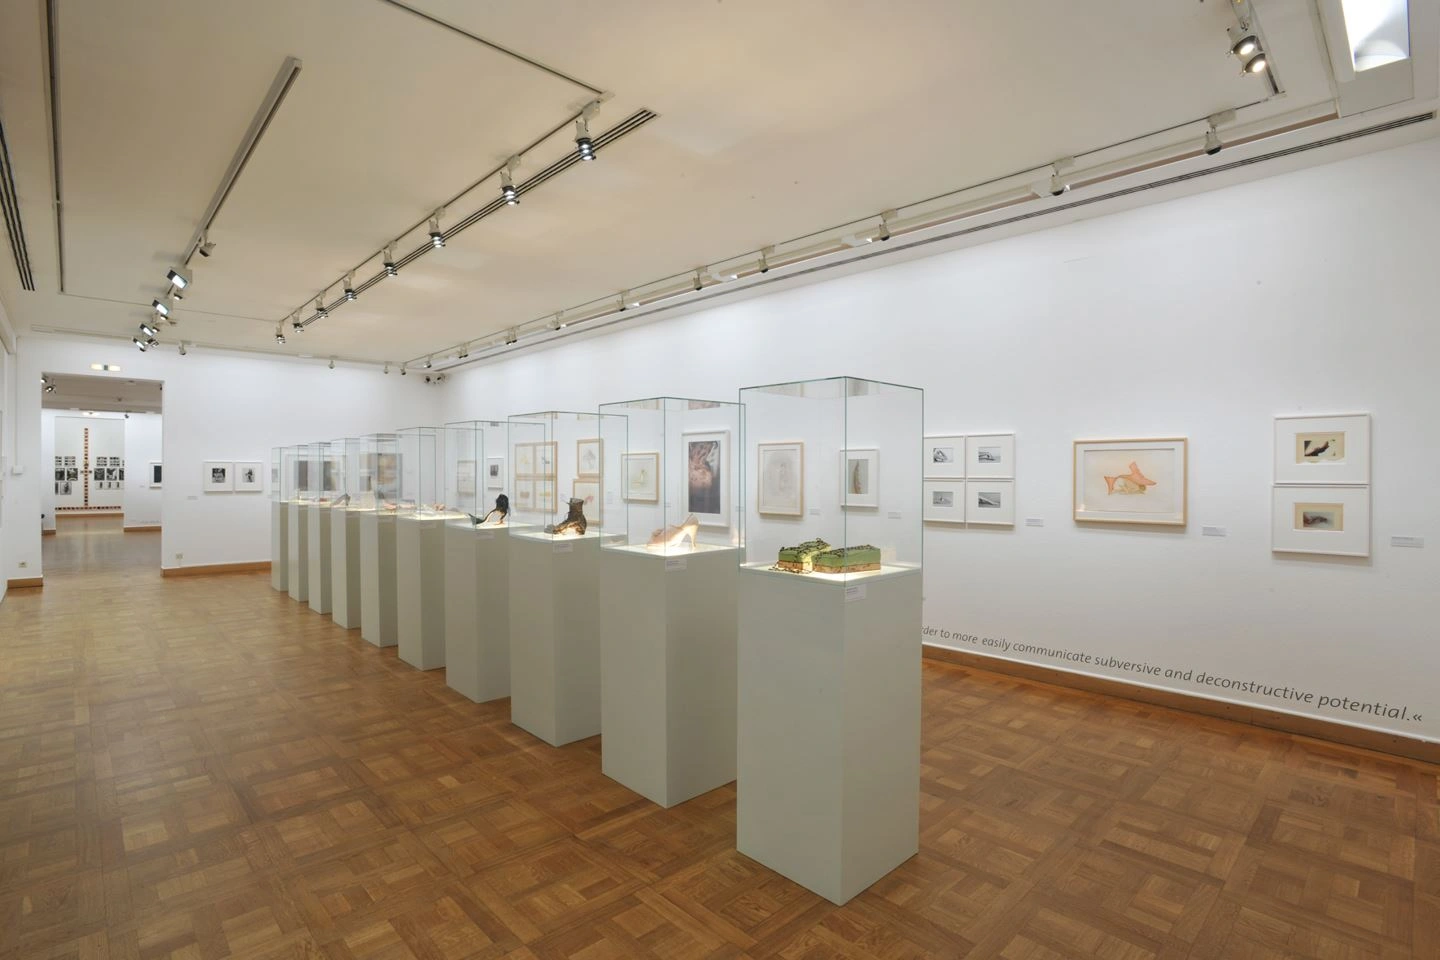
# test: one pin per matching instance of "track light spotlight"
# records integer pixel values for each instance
(885, 224)
(177, 280)
(349, 287)
(44, 379)
(462, 353)
(559, 322)
(152, 342)
(402, 369)
(182, 348)
(390, 268)
(1256, 64)
(50, 388)
(584, 146)
(429, 362)
(765, 258)
(507, 182)
(1058, 186)
(511, 336)
(1212, 141)
(320, 312)
(332, 363)
(699, 284)
(140, 344)
(437, 239)
(280, 334)
(160, 308)
(386, 370)
(295, 324)
(1246, 46)
(439, 378)
(146, 329)
(206, 247)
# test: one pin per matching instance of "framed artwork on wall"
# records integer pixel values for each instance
(524, 461)
(780, 486)
(707, 477)
(641, 475)
(944, 458)
(1330, 520)
(524, 495)
(589, 457)
(990, 502)
(218, 476)
(944, 501)
(545, 496)
(494, 473)
(589, 491)
(990, 455)
(1325, 450)
(249, 476)
(859, 478)
(465, 477)
(1131, 481)
(545, 460)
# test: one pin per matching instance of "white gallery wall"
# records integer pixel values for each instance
(140, 444)
(1308, 292)
(218, 406)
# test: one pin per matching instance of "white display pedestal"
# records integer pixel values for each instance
(345, 568)
(298, 554)
(555, 636)
(828, 764)
(377, 579)
(667, 670)
(477, 611)
(420, 590)
(280, 546)
(321, 588)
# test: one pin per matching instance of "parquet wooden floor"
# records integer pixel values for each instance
(200, 769)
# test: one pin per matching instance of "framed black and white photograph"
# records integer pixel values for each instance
(155, 470)
(990, 455)
(218, 476)
(944, 501)
(944, 458)
(860, 478)
(494, 473)
(249, 476)
(990, 502)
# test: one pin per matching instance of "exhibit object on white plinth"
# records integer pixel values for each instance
(379, 485)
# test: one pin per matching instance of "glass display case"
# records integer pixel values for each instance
(291, 474)
(676, 487)
(832, 474)
(422, 474)
(557, 464)
(475, 477)
(276, 459)
(377, 481)
(343, 455)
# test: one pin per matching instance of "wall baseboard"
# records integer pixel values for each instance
(1390, 743)
(144, 528)
(206, 569)
(47, 533)
(24, 582)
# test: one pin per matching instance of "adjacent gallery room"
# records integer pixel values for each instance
(723, 480)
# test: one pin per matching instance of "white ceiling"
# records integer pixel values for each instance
(774, 120)
(113, 393)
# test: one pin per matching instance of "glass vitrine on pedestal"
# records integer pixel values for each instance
(828, 765)
(326, 472)
(304, 485)
(421, 516)
(345, 510)
(279, 524)
(477, 560)
(669, 574)
(379, 490)
(556, 456)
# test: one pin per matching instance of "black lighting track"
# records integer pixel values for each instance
(14, 227)
(627, 126)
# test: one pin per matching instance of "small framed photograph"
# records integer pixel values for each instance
(1326, 450)
(990, 455)
(218, 476)
(589, 491)
(1131, 481)
(589, 458)
(780, 487)
(494, 473)
(249, 476)
(859, 478)
(545, 496)
(990, 502)
(1334, 521)
(944, 501)
(640, 473)
(465, 477)
(944, 458)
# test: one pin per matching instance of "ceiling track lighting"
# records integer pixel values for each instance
(148, 330)
(205, 247)
(389, 262)
(280, 334)
(699, 283)
(332, 363)
(183, 350)
(402, 369)
(349, 287)
(507, 182)
(1059, 186)
(885, 218)
(160, 308)
(559, 323)
(140, 344)
(584, 145)
(512, 336)
(429, 362)
(765, 253)
(1213, 144)
(320, 312)
(437, 239)
(1256, 64)
(386, 370)
(177, 279)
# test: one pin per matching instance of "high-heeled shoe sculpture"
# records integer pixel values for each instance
(341, 502)
(674, 536)
(497, 515)
(574, 523)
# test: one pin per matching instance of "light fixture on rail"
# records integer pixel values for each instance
(699, 284)
(206, 247)
(885, 224)
(182, 348)
(148, 330)
(437, 239)
(320, 312)
(160, 308)
(280, 334)
(139, 344)
(390, 268)
(512, 336)
(507, 182)
(177, 279)
(295, 323)
(585, 146)
(332, 363)
(1058, 184)
(429, 362)
(765, 258)
(349, 287)
(559, 323)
